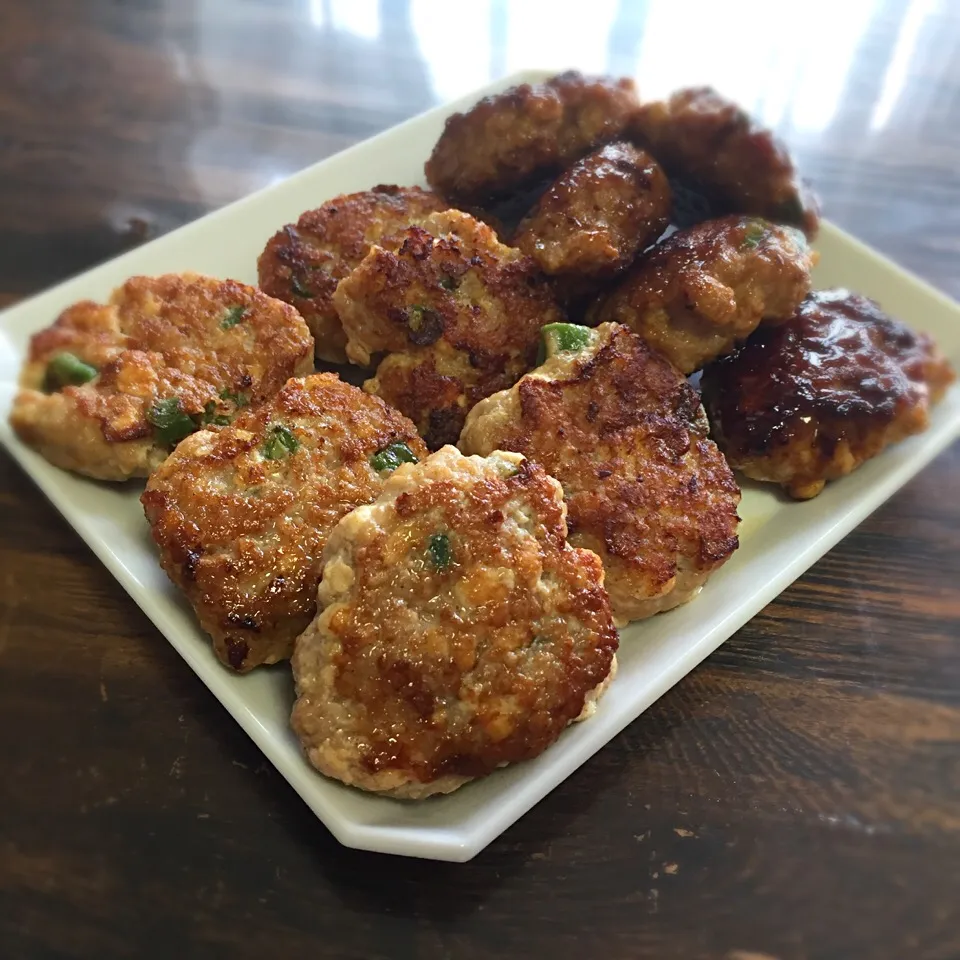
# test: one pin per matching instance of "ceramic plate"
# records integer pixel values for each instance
(779, 539)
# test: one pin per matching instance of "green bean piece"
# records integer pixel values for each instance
(391, 456)
(232, 317)
(559, 337)
(67, 370)
(754, 234)
(210, 415)
(424, 325)
(280, 442)
(299, 290)
(237, 399)
(169, 421)
(441, 553)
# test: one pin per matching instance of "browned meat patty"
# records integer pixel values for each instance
(700, 291)
(742, 167)
(457, 313)
(812, 399)
(109, 389)
(303, 263)
(625, 434)
(509, 139)
(594, 220)
(460, 632)
(241, 514)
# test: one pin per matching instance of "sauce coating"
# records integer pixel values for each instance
(810, 400)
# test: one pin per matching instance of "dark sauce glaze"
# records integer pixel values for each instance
(840, 360)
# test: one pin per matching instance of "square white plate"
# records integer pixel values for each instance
(779, 539)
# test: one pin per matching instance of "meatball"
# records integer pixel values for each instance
(241, 514)
(303, 263)
(457, 312)
(109, 389)
(700, 291)
(625, 434)
(509, 139)
(595, 219)
(812, 399)
(742, 167)
(459, 633)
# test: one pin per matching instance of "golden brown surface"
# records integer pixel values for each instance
(176, 337)
(811, 400)
(458, 312)
(303, 263)
(626, 436)
(598, 215)
(506, 140)
(241, 534)
(419, 675)
(800, 785)
(703, 289)
(703, 137)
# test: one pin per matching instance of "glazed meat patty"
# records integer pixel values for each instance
(812, 399)
(303, 263)
(509, 139)
(241, 514)
(459, 633)
(109, 389)
(741, 166)
(703, 289)
(594, 220)
(625, 434)
(457, 312)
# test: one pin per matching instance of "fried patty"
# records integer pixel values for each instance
(812, 399)
(625, 434)
(709, 141)
(460, 632)
(697, 294)
(593, 221)
(511, 138)
(303, 263)
(109, 389)
(241, 514)
(457, 313)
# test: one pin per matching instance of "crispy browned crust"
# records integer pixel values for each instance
(625, 434)
(741, 166)
(598, 215)
(303, 263)
(415, 679)
(457, 312)
(811, 400)
(700, 291)
(242, 535)
(506, 140)
(157, 338)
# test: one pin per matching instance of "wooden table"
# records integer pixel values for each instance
(798, 796)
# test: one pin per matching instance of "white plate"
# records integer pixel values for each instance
(779, 539)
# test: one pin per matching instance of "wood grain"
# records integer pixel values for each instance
(798, 796)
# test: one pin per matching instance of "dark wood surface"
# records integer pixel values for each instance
(798, 796)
